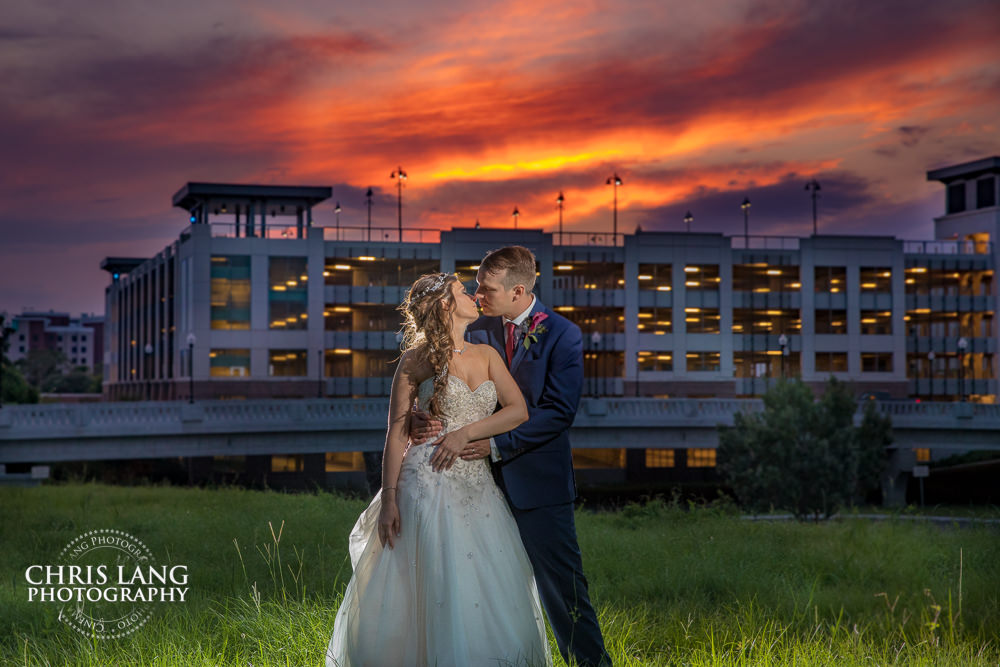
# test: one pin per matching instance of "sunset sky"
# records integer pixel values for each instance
(108, 108)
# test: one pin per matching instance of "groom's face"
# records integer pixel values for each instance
(493, 297)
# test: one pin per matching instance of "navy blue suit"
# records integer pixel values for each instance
(536, 474)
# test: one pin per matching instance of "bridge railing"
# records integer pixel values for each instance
(53, 422)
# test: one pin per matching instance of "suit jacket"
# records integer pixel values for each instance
(536, 466)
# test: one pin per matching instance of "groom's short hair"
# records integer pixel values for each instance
(516, 262)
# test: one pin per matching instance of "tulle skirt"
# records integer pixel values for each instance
(457, 589)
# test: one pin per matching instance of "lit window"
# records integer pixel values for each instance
(659, 458)
(923, 454)
(700, 458)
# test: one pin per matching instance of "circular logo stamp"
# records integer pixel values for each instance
(107, 583)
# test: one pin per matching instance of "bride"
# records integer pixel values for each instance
(440, 574)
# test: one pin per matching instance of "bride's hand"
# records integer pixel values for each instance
(388, 520)
(449, 448)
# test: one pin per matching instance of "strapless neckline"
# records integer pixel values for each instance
(464, 383)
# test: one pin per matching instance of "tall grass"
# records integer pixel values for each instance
(671, 585)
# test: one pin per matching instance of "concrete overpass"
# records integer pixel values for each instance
(110, 431)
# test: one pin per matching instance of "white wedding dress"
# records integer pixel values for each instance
(457, 589)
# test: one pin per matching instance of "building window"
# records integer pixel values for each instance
(344, 461)
(876, 362)
(655, 361)
(831, 362)
(830, 279)
(703, 361)
(83, 350)
(986, 195)
(288, 292)
(603, 320)
(876, 279)
(659, 458)
(72, 339)
(73, 349)
(584, 275)
(956, 198)
(656, 320)
(291, 463)
(700, 458)
(762, 277)
(923, 454)
(831, 321)
(230, 292)
(58, 338)
(287, 363)
(764, 321)
(232, 362)
(655, 277)
(702, 278)
(702, 320)
(876, 322)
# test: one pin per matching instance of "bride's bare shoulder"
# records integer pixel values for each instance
(415, 366)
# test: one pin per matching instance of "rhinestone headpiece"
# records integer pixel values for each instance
(434, 286)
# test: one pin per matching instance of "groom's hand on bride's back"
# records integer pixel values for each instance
(423, 427)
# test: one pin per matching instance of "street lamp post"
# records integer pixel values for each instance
(963, 345)
(783, 343)
(813, 185)
(147, 370)
(336, 210)
(688, 219)
(191, 341)
(516, 214)
(560, 199)
(614, 181)
(930, 373)
(746, 220)
(369, 196)
(399, 176)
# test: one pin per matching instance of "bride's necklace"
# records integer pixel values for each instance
(462, 350)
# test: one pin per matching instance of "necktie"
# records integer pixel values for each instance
(510, 343)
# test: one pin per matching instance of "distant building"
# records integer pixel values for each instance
(256, 305)
(80, 339)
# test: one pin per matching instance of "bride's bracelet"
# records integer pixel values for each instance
(388, 488)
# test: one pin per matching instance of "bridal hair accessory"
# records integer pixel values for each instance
(435, 285)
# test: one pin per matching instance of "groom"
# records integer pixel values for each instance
(533, 463)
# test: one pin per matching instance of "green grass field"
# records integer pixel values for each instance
(672, 586)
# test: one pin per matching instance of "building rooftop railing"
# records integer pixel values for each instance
(764, 242)
(574, 238)
(948, 247)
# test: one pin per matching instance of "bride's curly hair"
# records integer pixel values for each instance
(428, 309)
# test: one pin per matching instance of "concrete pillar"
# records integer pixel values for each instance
(896, 477)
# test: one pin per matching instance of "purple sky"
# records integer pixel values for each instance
(107, 109)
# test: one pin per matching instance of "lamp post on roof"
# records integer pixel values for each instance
(336, 211)
(399, 176)
(746, 220)
(614, 181)
(813, 185)
(688, 219)
(369, 196)
(560, 199)
(516, 214)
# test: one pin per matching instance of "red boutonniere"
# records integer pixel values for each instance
(535, 329)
